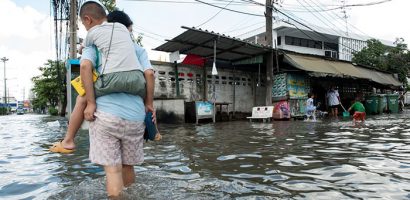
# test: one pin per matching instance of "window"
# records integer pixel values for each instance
(318, 45)
(279, 41)
(161, 72)
(171, 73)
(230, 78)
(208, 76)
(288, 40)
(302, 42)
(331, 46)
(223, 77)
(243, 79)
(216, 77)
(224, 82)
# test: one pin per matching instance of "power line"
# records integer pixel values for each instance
(304, 25)
(145, 30)
(243, 21)
(320, 19)
(246, 13)
(251, 32)
(348, 24)
(234, 3)
(353, 5)
(244, 27)
(214, 15)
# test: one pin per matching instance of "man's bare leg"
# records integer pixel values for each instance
(76, 119)
(332, 110)
(128, 175)
(114, 182)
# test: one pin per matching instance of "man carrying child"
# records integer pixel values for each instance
(117, 119)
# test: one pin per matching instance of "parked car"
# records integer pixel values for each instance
(20, 111)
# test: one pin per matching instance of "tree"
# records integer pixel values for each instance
(372, 55)
(378, 56)
(109, 4)
(49, 88)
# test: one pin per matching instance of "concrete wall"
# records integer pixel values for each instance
(170, 110)
(247, 93)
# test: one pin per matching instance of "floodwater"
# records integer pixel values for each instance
(232, 160)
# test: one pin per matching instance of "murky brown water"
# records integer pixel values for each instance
(233, 160)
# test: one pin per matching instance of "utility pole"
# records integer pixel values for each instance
(73, 29)
(4, 59)
(269, 60)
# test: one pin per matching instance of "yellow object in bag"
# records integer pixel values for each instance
(78, 84)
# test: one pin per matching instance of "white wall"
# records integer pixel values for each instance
(191, 88)
(347, 46)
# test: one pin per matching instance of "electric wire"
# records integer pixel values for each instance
(208, 20)
(322, 17)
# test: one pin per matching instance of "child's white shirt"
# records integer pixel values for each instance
(122, 55)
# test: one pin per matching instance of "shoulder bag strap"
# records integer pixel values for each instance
(109, 47)
(97, 55)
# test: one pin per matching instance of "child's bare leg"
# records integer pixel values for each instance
(128, 175)
(76, 119)
(114, 182)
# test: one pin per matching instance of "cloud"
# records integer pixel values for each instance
(25, 39)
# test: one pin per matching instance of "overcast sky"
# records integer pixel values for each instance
(27, 29)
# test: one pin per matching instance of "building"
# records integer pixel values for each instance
(11, 102)
(324, 42)
(240, 84)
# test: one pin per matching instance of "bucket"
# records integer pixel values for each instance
(346, 114)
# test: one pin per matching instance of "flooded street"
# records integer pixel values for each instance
(232, 160)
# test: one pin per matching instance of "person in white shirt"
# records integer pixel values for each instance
(333, 100)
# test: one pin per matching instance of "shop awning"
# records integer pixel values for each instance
(201, 42)
(321, 67)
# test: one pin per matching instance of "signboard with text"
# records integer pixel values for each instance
(204, 110)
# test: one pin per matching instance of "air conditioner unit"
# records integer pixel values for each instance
(331, 54)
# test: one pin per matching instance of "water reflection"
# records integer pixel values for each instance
(236, 160)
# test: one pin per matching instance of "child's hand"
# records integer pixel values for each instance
(89, 112)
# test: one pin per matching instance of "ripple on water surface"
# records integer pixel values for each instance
(237, 160)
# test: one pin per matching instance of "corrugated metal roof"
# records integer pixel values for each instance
(320, 66)
(201, 42)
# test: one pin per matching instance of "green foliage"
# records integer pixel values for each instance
(49, 87)
(52, 111)
(393, 59)
(3, 111)
(138, 40)
(109, 4)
